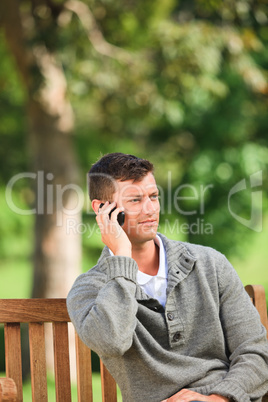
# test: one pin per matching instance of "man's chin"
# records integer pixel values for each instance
(142, 233)
(147, 233)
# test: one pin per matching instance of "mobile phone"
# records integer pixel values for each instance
(120, 216)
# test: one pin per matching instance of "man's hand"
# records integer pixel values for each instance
(112, 235)
(186, 395)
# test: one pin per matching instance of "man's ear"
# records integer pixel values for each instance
(96, 205)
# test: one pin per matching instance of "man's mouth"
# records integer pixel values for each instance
(148, 222)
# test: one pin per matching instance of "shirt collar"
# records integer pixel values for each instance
(162, 270)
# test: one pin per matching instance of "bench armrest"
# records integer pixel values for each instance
(8, 390)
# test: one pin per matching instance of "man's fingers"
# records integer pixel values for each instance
(106, 208)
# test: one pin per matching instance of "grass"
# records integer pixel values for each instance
(16, 278)
(252, 269)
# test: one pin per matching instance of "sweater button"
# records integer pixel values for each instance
(176, 337)
(170, 316)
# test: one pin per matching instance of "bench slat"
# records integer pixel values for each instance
(13, 356)
(38, 362)
(84, 371)
(108, 385)
(257, 294)
(62, 362)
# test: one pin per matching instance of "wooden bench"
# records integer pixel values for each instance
(36, 312)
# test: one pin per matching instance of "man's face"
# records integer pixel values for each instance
(140, 200)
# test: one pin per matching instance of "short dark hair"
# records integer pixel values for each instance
(115, 166)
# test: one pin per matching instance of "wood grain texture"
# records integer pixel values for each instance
(84, 371)
(33, 310)
(108, 385)
(8, 390)
(38, 362)
(13, 356)
(257, 295)
(62, 362)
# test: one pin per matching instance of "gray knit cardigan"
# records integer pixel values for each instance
(208, 338)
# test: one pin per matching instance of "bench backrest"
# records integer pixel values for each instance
(257, 295)
(36, 312)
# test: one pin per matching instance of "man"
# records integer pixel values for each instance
(170, 320)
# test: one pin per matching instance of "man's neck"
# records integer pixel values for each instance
(146, 256)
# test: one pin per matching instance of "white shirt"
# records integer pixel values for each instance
(156, 286)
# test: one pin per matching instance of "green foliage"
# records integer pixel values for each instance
(189, 93)
(12, 118)
(195, 106)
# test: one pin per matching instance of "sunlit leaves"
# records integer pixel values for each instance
(191, 97)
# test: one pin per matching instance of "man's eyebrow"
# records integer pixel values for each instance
(139, 195)
(133, 195)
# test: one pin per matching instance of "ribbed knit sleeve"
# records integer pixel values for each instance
(102, 305)
(121, 267)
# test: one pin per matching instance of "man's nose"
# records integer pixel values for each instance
(148, 206)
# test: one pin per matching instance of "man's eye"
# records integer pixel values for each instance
(155, 197)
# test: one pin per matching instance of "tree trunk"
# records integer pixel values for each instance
(58, 196)
(57, 250)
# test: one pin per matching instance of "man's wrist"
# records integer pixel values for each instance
(124, 252)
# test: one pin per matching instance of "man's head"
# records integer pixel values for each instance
(115, 166)
(127, 181)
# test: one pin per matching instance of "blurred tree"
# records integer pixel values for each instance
(30, 38)
(181, 82)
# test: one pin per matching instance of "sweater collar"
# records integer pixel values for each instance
(180, 263)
